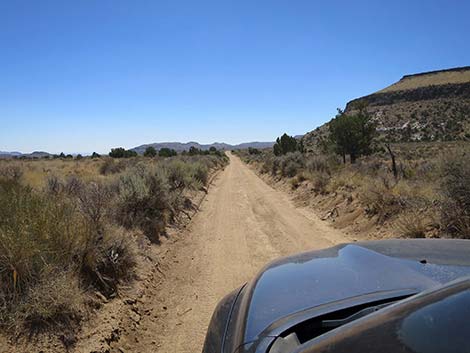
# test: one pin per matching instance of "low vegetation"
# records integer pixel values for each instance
(406, 189)
(69, 228)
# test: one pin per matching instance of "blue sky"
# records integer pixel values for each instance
(88, 75)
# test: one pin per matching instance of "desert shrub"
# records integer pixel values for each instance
(200, 173)
(370, 167)
(297, 180)
(291, 164)
(320, 182)
(319, 163)
(455, 187)
(275, 165)
(54, 185)
(178, 174)
(55, 301)
(93, 201)
(110, 166)
(108, 259)
(143, 201)
(267, 166)
(412, 224)
(380, 199)
(12, 172)
(73, 185)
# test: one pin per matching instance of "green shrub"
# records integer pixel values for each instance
(150, 152)
(200, 173)
(167, 152)
(120, 152)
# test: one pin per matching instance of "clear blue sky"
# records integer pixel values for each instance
(86, 75)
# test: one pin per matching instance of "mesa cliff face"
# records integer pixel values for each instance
(431, 106)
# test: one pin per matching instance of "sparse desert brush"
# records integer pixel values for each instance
(43, 236)
(455, 187)
(61, 234)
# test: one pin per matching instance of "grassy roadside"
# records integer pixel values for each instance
(428, 197)
(70, 230)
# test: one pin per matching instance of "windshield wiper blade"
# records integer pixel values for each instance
(355, 316)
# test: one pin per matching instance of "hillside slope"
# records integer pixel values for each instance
(430, 106)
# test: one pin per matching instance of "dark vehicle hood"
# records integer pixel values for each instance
(346, 272)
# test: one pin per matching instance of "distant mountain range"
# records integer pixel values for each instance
(179, 146)
(35, 154)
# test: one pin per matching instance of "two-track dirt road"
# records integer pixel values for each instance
(243, 224)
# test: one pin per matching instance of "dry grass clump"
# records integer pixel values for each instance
(455, 187)
(412, 224)
(381, 199)
(54, 302)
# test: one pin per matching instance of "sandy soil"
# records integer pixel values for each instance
(242, 224)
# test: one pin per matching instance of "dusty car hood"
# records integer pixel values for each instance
(313, 279)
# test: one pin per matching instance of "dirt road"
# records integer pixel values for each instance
(243, 224)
